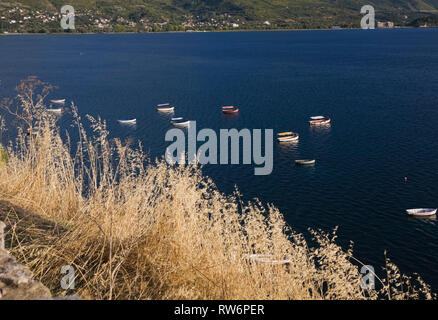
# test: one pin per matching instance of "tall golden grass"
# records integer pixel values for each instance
(133, 229)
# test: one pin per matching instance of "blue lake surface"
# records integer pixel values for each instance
(380, 88)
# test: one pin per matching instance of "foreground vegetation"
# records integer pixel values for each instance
(139, 230)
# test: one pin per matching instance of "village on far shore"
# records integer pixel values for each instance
(18, 19)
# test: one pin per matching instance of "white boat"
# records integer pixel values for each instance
(60, 101)
(55, 110)
(421, 212)
(306, 162)
(179, 122)
(319, 120)
(287, 137)
(165, 107)
(131, 121)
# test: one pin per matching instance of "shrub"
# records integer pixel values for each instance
(3, 156)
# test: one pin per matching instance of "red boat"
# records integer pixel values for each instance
(230, 110)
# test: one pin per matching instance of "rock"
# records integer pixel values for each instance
(16, 281)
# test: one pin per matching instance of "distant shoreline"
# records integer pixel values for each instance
(206, 31)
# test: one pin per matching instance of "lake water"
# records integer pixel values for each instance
(380, 88)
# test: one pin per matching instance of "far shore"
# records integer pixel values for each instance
(204, 31)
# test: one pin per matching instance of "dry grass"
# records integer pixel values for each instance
(134, 230)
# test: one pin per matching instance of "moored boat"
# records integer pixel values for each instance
(180, 122)
(230, 110)
(130, 121)
(319, 120)
(165, 107)
(305, 162)
(287, 136)
(422, 212)
(59, 101)
(55, 110)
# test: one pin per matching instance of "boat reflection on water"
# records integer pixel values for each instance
(287, 148)
(230, 120)
(321, 135)
(326, 128)
(166, 115)
(425, 219)
(286, 152)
